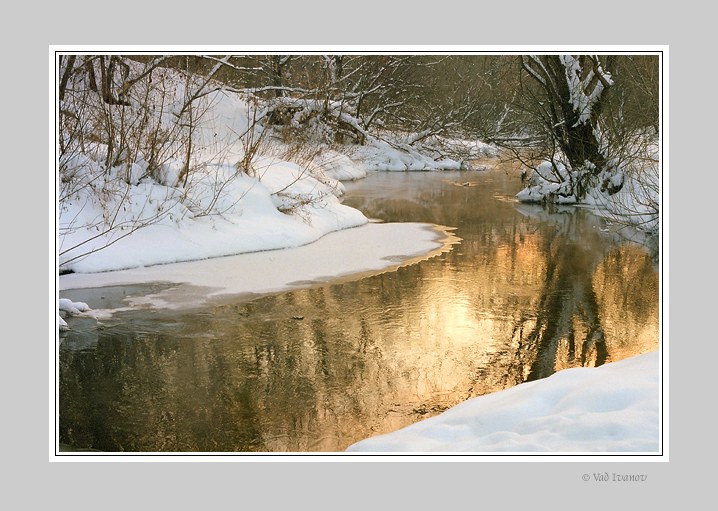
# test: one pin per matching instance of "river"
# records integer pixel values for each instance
(526, 292)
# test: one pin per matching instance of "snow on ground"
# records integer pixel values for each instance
(134, 215)
(248, 216)
(383, 155)
(129, 216)
(636, 201)
(224, 230)
(339, 166)
(279, 224)
(369, 248)
(380, 155)
(613, 408)
(72, 308)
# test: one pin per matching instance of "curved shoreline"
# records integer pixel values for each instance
(345, 255)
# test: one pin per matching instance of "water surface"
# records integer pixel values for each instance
(527, 292)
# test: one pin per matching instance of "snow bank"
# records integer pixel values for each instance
(613, 408)
(134, 214)
(543, 183)
(398, 155)
(629, 195)
(339, 166)
(370, 248)
(637, 203)
(71, 307)
(130, 213)
(226, 212)
(66, 307)
(380, 155)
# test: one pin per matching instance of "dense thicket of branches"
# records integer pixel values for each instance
(504, 99)
(595, 120)
(422, 94)
(590, 116)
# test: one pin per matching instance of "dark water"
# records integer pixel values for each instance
(527, 292)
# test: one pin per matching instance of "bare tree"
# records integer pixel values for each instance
(568, 96)
(121, 122)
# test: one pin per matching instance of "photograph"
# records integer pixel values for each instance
(360, 254)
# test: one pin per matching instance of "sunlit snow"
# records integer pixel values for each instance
(284, 225)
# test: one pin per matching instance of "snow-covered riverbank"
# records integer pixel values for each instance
(608, 409)
(346, 253)
(229, 231)
(611, 409)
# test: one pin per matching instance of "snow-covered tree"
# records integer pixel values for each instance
(592, 133)
(568, 95)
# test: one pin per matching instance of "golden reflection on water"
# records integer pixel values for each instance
(627, 290)
(525, 294)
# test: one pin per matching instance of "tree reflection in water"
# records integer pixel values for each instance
(526, 293)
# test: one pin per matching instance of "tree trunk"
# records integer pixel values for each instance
(66, 75)
(277, 66)
(107, 71)
(574, 91)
